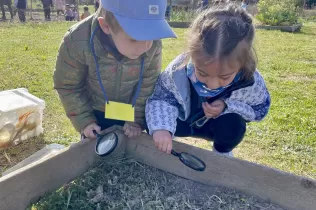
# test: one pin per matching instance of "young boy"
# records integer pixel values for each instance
(107, 65)
(75, 12)
(244, 4)
(47, 4)
(60, 7)
(96, 4)
(8, 3)
(21, 6)
(69, 15)
(85, 13)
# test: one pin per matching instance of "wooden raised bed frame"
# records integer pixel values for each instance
(26, 185)
(292, 28)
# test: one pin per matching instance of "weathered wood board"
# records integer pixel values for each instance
(287, 190)
(27, 184)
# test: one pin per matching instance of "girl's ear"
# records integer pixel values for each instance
(104, 26)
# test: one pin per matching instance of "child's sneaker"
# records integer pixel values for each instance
(227, 154)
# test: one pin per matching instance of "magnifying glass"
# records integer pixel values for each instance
(190, 160)
(105, 143)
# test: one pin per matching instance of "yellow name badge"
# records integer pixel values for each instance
(119, 111)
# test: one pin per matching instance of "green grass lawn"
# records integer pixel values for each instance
(286, 139)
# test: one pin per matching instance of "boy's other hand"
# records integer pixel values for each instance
(163, 140)
(88, 130)
(132, 129)
(214, 109)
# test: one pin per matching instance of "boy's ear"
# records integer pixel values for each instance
(104, 26)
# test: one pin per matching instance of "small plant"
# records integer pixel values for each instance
(281, 12)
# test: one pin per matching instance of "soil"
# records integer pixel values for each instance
(127, 184)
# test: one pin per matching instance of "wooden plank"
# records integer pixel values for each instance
(179, 24)
(285, 189)
(292, 28)
(26, 185)
(43, 153)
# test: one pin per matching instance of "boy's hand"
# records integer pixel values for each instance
(88, 130)
(132, 129)
(214, 109)
(163, 141)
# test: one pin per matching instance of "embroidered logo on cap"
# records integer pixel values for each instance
(153, 9)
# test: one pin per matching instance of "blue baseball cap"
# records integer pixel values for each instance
(142, 20)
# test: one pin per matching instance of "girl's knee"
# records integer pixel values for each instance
(229, 131)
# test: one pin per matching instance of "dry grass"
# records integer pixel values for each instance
(127, 184)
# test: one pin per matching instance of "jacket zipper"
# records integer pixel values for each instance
(118, 78)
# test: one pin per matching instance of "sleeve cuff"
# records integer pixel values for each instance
(81, 122)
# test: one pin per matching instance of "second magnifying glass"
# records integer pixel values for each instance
(190, 160)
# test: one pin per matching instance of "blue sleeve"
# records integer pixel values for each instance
(261, 110)
(162, 107)
(252, 103)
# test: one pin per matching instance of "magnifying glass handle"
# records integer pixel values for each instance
(95, 133)
(175, 153)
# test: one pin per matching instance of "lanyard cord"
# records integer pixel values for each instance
(99, 77)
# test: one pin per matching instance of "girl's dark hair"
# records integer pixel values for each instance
(225, 32)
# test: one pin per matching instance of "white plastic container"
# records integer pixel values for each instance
(21, 116)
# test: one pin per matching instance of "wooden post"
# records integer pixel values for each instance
(285, 189)
(171, 10)
(31, 10)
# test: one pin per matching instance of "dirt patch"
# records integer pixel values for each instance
(127, 184)
(13, 155)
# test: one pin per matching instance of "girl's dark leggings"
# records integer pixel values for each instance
(226, 131)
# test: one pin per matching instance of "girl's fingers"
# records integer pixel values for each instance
(156, 143)
(165, 146)
(160, 145)
(208, 106)
(125, 126)
(169, 148)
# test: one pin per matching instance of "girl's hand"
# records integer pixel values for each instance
(214, 109)
(163, 140)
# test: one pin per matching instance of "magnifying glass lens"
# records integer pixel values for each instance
(106, 144)
(192, 161)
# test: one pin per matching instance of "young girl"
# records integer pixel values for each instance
(69, 15)
(213, 90)
(244, 4)
(85, 13)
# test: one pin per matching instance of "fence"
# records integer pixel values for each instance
(35, 10)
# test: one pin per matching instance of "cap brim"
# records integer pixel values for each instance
(144, 30)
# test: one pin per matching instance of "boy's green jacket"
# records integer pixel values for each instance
(76, 82)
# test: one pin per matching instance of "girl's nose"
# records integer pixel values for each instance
(213, 83)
